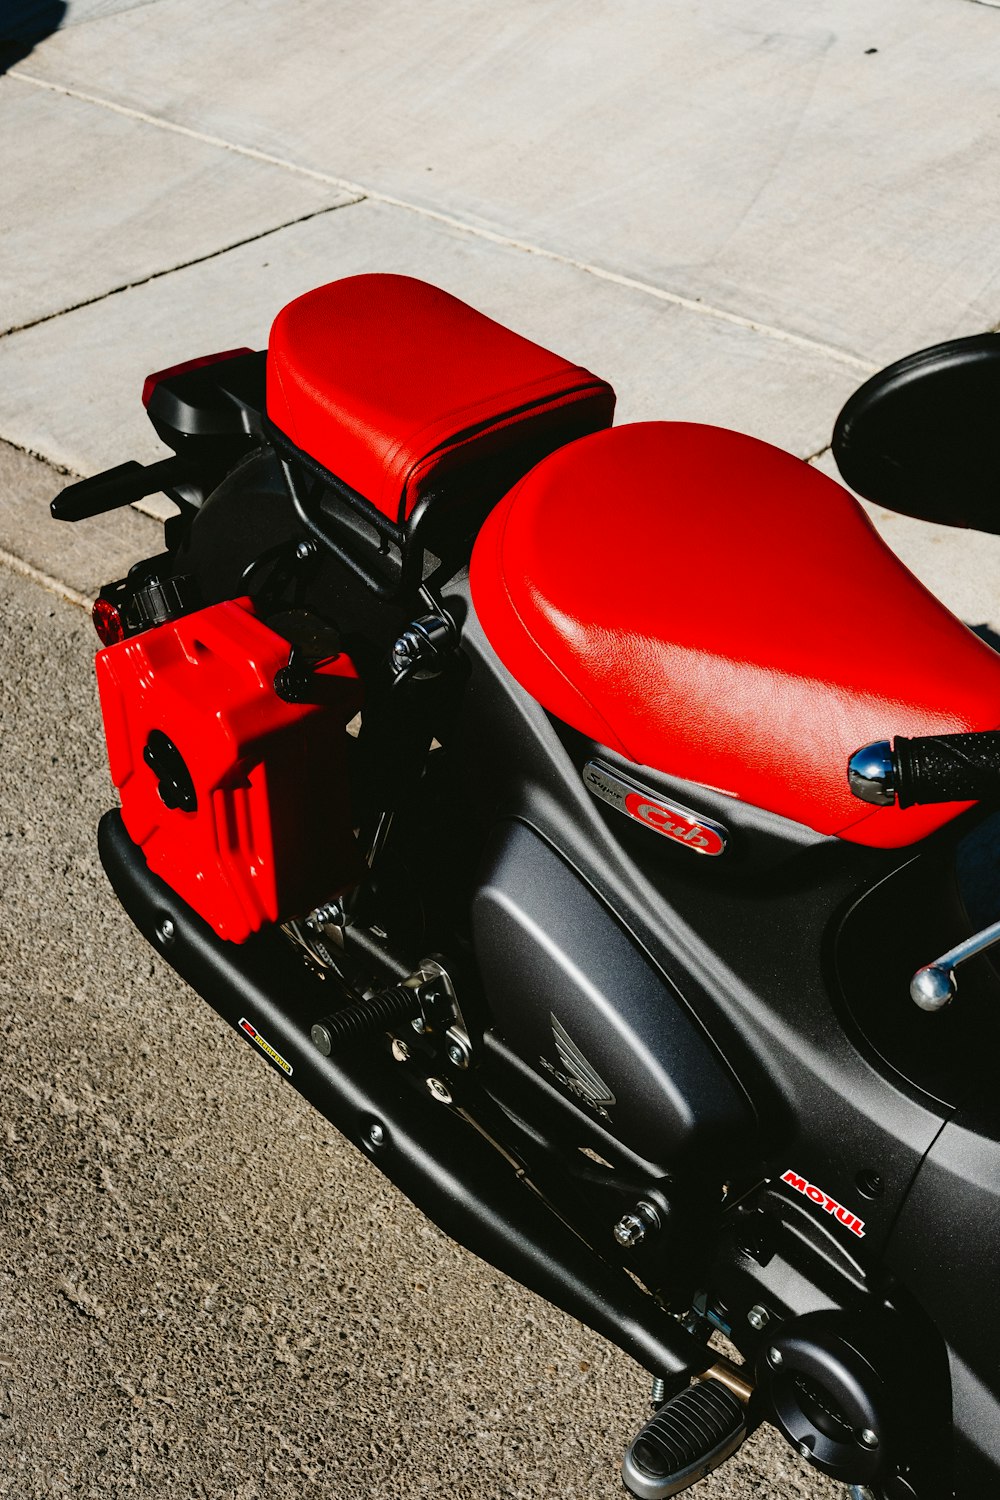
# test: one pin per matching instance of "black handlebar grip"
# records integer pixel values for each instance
(947, 768)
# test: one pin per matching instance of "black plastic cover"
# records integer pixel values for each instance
(923, 435)
(581, 1003)
(946, 1248)
(216, 399)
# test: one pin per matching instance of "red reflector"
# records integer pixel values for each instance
(152, 381)
(107, 622)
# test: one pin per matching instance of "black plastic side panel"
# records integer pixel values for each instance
(576, 998)
(946, 1248)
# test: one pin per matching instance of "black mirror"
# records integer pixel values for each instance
(923, 435)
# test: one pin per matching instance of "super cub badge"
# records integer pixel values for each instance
(255, 1036)
(670, 819)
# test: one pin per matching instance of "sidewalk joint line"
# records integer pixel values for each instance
(813, 458)
(183, 265)
(50, 463)
(44, 580)
(495, 237)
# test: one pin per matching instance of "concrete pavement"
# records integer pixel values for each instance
(734, 212)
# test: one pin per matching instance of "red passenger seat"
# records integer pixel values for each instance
(400, 389)
(708, 606)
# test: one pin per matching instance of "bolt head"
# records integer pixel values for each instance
(629, 1231)
(376, 1134)
(805, 1450)
(418, 1025)
(304, 550)
(456, 1055)
(868, 1438)
(774, 1357)
(400, 1050)
(758, 1317)
(166, 931)
(439, 1090)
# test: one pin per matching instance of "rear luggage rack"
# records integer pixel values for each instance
(388, 558)
(393, 560)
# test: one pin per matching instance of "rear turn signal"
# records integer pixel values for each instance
(108, 622)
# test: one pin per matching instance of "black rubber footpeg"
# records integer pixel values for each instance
(692, 1434)
(367, 1017)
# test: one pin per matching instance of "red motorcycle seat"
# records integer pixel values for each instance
(713, 608)
(395, 386)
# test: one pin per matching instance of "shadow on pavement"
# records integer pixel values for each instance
(23, 23)
(986, 634)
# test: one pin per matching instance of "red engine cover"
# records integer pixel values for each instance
(238, 799)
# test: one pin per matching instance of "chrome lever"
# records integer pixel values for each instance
(935, 986)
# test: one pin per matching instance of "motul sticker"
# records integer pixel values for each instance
(669, 819)
(823, 1200)
(255, 1036)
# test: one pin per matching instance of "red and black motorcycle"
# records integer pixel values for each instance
(486, 766)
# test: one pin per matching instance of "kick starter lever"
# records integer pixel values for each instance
(935, 986)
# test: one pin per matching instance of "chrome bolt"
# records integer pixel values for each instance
(304, 550)
(418, 1025)
(758, 1317)
(633, 1227)
(805, 1450)
(868, 1438)
(376, 1134)
(629, 1231)
(166, 931)
(457, 1056)
(439, 1090)
(400, 1050)
(325, 916)
(774, 1358)
(658, 1391)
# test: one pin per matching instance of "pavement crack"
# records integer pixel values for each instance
(41, 458)
(197, 260)
(44, 580)
(453, 221)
